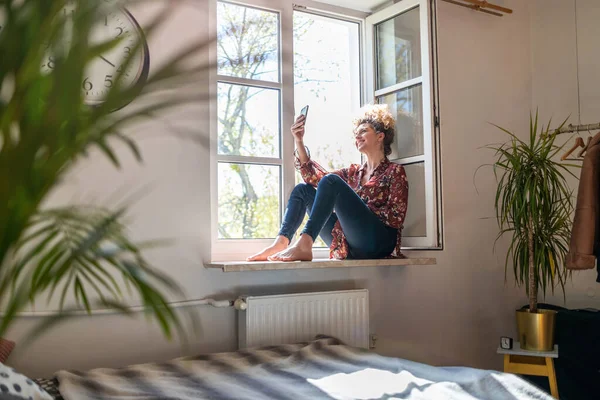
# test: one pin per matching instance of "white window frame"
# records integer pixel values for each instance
(239, 249)
(430, 157)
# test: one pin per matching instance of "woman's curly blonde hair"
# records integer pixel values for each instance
(382, 120)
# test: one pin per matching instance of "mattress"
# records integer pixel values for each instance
(322, 369)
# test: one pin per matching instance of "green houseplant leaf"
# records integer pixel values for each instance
(45, 126)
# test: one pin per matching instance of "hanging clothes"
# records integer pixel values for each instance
(585, 235)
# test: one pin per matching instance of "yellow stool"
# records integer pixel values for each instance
(526, 362)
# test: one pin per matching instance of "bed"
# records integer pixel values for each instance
(324, 368)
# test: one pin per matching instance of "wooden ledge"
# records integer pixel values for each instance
(240, 266)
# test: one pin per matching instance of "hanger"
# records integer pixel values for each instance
(578, 143)
(589, 139)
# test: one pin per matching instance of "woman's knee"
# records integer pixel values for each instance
(302, 189)
(331, 179)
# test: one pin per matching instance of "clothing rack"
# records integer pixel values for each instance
(579, 143)
(481, 6)
(577, 128)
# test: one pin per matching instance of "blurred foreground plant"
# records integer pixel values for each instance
(45, 126)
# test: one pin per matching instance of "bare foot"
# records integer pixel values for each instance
(300, 251)
(280, 243)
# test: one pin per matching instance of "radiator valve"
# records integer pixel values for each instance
(240, 304)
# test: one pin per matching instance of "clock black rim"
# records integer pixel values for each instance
(143, 76)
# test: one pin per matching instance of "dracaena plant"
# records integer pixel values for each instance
(45, 126)
(534, 204)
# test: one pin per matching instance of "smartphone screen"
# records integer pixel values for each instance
(304, 111)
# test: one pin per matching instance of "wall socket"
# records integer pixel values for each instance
(372, 341)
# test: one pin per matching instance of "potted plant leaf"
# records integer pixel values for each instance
(533, 205)
(52, 53)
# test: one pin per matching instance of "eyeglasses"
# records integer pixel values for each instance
(360, 133)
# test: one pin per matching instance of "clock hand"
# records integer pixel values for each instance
(107, 61)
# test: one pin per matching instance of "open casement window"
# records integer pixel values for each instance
(273, 59)
(327, 77)
(399, 67)
(247, 150)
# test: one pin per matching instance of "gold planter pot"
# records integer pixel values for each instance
(536, 330)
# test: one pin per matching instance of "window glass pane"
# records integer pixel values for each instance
(415, 223)
(248, 202)
(327, 78)
(407, 106)
(248, 121)
(400, 37)
(248, 42)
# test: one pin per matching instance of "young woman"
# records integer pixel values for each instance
(358, 211)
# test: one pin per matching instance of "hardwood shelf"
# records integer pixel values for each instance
(241, 266)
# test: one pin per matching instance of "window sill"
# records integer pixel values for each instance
(241, 266)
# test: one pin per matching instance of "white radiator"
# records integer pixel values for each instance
(292, 318)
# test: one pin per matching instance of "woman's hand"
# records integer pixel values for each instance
(298, 129)
(298, 134)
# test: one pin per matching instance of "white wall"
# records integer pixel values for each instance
(452, 313)
(565, 45)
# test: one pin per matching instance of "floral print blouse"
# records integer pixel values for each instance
(386, 194)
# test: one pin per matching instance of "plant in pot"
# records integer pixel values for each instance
(533, 205)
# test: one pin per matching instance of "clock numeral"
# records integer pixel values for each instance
(50, 64)
(127, 50)
(87, 85)
(106, 20)
(120, 69)
(108, 81)
(120, 31)
(66, 13)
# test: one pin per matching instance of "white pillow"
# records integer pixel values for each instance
(16, 386)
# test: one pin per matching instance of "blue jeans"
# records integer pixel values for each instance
(367, 235)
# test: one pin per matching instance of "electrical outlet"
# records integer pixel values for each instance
(372, 340)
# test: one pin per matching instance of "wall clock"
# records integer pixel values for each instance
(100, 74)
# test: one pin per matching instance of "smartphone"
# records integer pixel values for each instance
(304, 111)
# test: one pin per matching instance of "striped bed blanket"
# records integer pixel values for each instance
(322, 369)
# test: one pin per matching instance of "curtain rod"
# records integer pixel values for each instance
(485, 4)
(577, 128)
(480, 5)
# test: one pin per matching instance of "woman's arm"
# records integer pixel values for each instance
(311, 171)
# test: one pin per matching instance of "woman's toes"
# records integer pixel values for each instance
(256, 257)
(292, 254)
